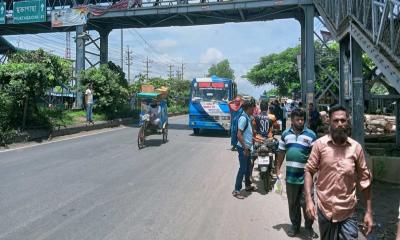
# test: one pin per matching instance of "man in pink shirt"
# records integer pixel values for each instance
(340, 164)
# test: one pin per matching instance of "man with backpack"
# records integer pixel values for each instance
(244, 147)
(235, 108)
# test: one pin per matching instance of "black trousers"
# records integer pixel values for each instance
(296, 200)
(345, 230)
(283, 124)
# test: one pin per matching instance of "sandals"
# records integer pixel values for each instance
(237, 195)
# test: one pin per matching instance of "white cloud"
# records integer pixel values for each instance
(165, 43)
(212, 55)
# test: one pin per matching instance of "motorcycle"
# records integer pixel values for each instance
(265, 153)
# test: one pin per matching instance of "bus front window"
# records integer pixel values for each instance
(210, 94)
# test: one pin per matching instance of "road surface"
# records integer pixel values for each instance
(98, 185)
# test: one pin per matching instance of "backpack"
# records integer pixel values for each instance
(235, 127)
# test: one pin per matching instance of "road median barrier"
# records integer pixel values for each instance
(40, 134)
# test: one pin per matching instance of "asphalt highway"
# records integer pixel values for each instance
(99, 185)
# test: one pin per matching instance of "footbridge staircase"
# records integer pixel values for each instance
(373, 27)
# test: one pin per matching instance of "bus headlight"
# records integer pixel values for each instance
(216, 118)
(228, 118)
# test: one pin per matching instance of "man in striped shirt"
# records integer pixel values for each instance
(296, 143)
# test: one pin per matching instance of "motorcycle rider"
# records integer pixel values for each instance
(263, 122)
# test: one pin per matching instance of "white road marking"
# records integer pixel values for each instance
(61, 140)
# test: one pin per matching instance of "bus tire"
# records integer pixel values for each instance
(196, 131)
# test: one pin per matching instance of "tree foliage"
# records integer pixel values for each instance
(110, 89)
(379, 89)
(278, 69)
(281, 69)
(24, 79)
(58, 69)
(222, 69)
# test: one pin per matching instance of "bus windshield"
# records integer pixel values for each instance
(210, 94)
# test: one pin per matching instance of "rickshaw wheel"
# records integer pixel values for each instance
(165, 133)
(141, 138)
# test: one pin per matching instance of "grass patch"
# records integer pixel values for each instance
(76, 117)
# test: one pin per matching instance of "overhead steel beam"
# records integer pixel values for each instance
(93, 41)
(188, 18)
(382, 22)
(79, 62)
(389, 96)
(309, 53)
(327, 23)
(104, 46)
(163, 20)
(92, 53)
(192, 8)
(241, 14)
(260, 16)
(358, 92)
(385, 66)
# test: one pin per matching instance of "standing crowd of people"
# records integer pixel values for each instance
(334, 164)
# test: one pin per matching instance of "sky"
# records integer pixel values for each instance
(197, 47)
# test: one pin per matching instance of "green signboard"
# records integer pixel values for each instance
(2, 13)
(29, 11)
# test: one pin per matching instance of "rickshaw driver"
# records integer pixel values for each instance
(154, 112)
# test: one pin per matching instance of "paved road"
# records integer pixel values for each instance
(102, 187)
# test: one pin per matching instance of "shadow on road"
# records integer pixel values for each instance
(257, 181)
(174, 126)
(131, 125)
(286, 227)
(177, 126)
(153, 142)
(211, 133)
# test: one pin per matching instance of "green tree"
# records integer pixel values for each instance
(110, 89)
(22, 86)
(57, 69)
(222, 69)
(379, 89)
(24, 80)
(272, 92)
(279, 70)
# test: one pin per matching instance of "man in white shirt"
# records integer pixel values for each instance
(89, 103)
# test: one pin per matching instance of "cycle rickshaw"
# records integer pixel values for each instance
(153, 118)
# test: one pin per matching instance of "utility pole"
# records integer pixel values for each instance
(170, 71)
(68, 47)
(122, 49)
(129, 62)
(182, 67)
(147, 67)
(178, 74)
